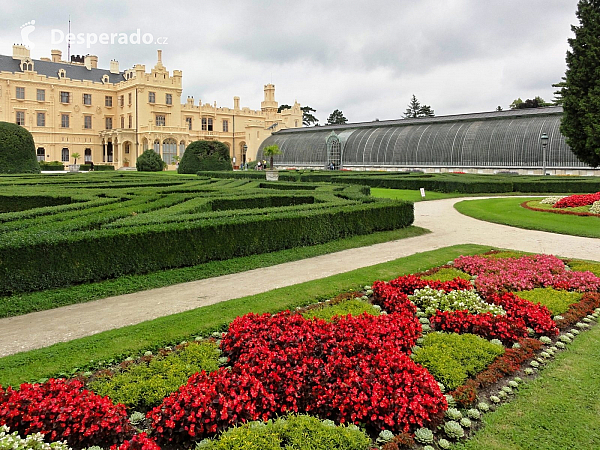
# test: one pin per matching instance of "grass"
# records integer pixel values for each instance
(557, 411)
(412, 196)
(508, 211)
(19, 304)
(134, 340)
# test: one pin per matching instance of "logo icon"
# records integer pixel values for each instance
(26, 30)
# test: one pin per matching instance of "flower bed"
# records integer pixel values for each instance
(573, 201)
(594, 210)
(350, 369)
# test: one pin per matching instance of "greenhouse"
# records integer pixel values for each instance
(486, 142)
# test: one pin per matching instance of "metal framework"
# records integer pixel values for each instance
(505, 139)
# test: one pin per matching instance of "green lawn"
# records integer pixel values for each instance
(151, 335)
(24, 303)
(559, 410)
(413, 196)
(508, 211)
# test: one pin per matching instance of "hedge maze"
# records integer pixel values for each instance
(60, 231)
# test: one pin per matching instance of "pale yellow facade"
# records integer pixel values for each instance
(111, 116)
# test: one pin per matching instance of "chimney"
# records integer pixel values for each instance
(20, 52)
(90, 62)
(159, 62)
(114, 66)
(236, 103)
(56, 55)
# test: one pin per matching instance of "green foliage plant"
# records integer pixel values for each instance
(424, 436)
(447, 274)
(557, 301)
(431, 300)
(143, 386)
(453, 430)
(452, 358)
(149, 161)
(17, 150)
(354, 307)
(294, 432)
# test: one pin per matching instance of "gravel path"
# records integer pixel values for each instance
(448, 227)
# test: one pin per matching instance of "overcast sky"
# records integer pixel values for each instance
(366, 58)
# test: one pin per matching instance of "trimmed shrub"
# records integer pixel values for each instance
(291, 433)
(142, 386)
(51, 166)
(205, 156)
(149, 161)
(452, 358)
(103, 167)
(17, 150)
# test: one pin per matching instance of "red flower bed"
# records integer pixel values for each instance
(588, 303)
(558, 211)
(507, 329)
(504, 365)
(64, 411)
(138, 442)
(537, 316)
(573, 201)
(354, 369)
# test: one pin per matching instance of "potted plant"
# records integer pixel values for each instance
(74, 167)
(125, 162)
(271, 151)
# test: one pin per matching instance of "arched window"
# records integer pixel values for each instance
(181, 148)
(41, 153)
(144, 144)
(334, 151)
(157, 146)
(169, 150)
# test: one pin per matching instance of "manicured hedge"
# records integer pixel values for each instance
(51, 166)
(143, 223)
(17, 150)
(442, 182)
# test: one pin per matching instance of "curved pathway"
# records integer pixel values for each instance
(448, 227)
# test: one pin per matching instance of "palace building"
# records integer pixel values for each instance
(112, 116)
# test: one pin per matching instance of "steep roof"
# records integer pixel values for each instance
(50, 69)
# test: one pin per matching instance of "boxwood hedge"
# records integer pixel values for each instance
(139, 223)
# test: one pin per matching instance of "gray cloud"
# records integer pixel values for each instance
(366, 58)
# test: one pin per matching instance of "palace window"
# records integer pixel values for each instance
(122, 121)
(169, 99)
(41, 153)
(210, 124)
(108, 123)
(108, 100)
(64, 121)
(87, 99)
(188, 121)
(151, 97)
(157, 147)
(204, 124)
(130, 122)
(181, 148)
(87, 122)
(41, 95)
(20, 93)
(87, 155)
(160, 120)
(41, 119)
(169, 150)
(20, 118)
(130, 98)
(65, 97)
(121, 100)
(65, 155)
(225, 126)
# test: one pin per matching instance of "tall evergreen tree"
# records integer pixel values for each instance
(307, 117)
(336, 118)
(581, 91)
(415, 109)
